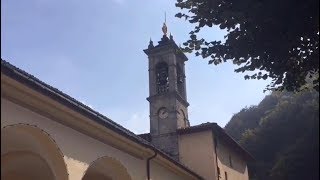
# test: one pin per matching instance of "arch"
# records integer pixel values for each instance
(106, 168)
(180, 79)
(28, 152)
(162, 77)
(180, 74)
(24, 165)
(161, 64)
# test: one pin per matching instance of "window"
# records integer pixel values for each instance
(180, 80)
(225, 175)
(230, 161)
(162, 77)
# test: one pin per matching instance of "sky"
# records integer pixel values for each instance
(93, 51)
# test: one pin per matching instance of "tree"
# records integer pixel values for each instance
(276, 39)
(283, 137)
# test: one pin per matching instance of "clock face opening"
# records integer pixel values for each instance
(163, 113)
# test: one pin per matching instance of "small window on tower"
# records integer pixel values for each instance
(162, 78)
(225, 175)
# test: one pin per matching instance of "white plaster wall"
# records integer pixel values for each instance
(158, 172)
(196, 151)
(79, 149)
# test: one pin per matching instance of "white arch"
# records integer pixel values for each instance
(20, 142)
(106, 168)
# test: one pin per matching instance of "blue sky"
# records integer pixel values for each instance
(93, 51)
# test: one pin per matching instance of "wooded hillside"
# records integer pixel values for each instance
(282, 133)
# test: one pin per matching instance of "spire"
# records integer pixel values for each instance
(171, 37)
(150, 44)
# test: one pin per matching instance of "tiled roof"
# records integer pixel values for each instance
(57, 95)
(145, 136)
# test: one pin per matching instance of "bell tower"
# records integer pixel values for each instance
(167, 93)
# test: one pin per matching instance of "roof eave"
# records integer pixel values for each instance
(47, 90)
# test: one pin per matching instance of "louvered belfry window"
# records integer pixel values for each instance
(162, 77)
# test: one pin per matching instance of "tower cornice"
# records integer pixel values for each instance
(164, 45)
(173, 94)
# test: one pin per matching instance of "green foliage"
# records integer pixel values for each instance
(283, 136)
(302, 157)
(279, 39)
(249, 118)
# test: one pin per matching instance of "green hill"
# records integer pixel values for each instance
(282, 133)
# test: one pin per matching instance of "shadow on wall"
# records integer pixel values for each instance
(29, 153)
(231, 159)
(106, 168)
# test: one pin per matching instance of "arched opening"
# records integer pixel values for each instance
(24, 165)
(29, 153)
(180, 80)
(106, 168)
(162, 76)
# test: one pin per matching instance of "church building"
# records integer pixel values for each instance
(48, 135)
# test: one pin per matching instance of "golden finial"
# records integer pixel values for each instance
(164, 27)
